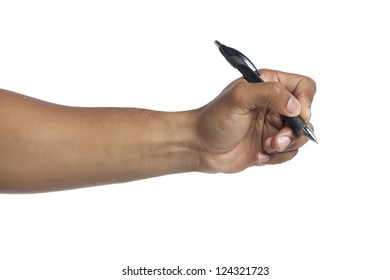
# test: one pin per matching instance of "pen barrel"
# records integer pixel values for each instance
(296, 123)
(248, 73)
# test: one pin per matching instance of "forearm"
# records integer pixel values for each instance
(47, 147)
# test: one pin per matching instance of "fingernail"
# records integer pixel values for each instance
(263, 158)
(284, 141)
(293, 106)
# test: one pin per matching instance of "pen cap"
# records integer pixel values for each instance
(239, 61)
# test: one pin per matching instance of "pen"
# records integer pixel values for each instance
(250, 73)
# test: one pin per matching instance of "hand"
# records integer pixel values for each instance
(242, 127)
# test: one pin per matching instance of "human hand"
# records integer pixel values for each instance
(243, 127)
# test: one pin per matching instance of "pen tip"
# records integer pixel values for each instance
(217, 43)
(309, 134)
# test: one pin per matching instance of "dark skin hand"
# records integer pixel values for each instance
(50, 147)
(242, 127)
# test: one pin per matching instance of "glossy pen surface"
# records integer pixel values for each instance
(249, 71)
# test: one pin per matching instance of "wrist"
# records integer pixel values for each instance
(182, 149)
(165, 145)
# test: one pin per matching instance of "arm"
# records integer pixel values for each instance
(47, 147)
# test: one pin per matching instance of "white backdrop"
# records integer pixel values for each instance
(323, 215)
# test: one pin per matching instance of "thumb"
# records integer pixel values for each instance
(271, 94)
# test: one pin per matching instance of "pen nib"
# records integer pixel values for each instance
(309, 133)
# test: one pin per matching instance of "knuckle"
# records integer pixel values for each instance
(238, 92)
(309, 81)
(239, 88)
(313, 83)
(274, 91)
(275, 88)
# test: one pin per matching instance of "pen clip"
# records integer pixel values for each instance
(236, 57)
(248, 62)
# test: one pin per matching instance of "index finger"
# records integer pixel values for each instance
(302, 87)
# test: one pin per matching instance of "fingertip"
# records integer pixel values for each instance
(293, 106)
(262, 158)
(283, 142)
(280, 142)
(308, 113)
(305, 108)
(267, 146)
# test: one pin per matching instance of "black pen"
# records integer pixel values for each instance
(251, 74)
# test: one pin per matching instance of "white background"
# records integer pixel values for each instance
(323, 215)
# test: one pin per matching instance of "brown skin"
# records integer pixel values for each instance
(49, 147)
